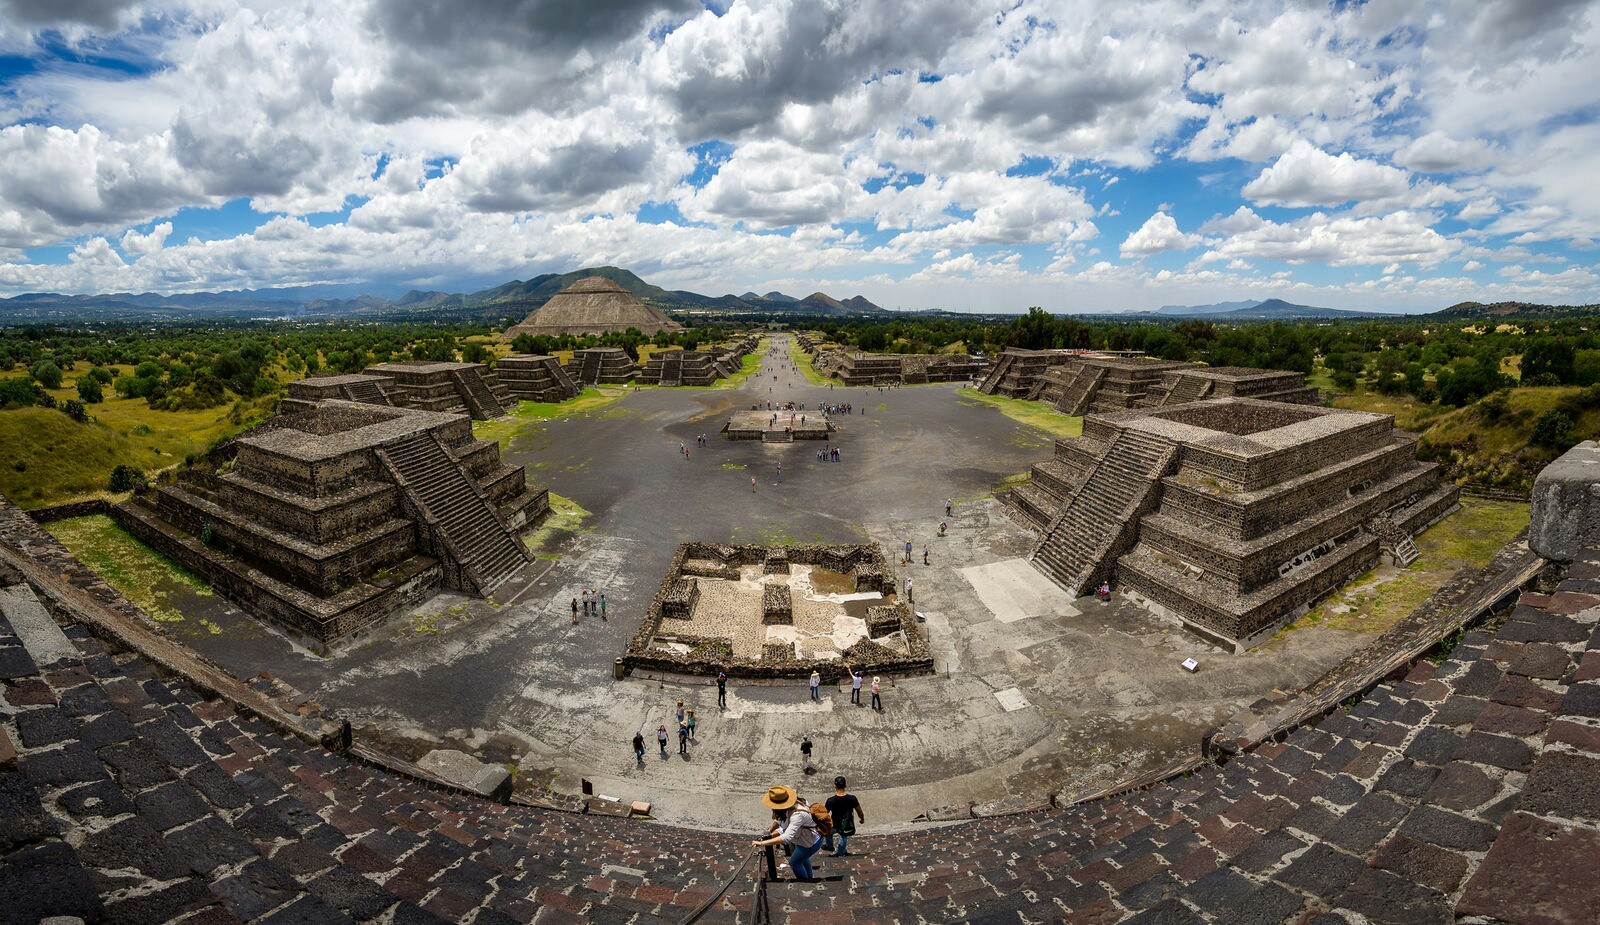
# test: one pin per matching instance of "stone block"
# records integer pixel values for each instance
(468, 773)
(1566, 504)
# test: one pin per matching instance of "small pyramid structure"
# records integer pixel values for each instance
(594, 305)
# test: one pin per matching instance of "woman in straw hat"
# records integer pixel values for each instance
(792, 825)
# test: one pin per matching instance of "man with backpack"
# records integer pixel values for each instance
(843, 811)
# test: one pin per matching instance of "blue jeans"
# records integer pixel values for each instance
(816, 693)
(842, 838)
(800, 860)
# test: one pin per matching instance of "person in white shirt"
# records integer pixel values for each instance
(792, 826)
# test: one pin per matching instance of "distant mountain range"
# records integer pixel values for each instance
(1251, 310)
(521, 296)
(342, 301)
(1473, 310)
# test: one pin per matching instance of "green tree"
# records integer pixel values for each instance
(48, 374)
(89, 391)
(1549, 359)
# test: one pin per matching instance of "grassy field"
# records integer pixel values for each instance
(1373, 602)
(141, 574)
(1032, 413)
(803, 361)
(46, 458)
(501, 430)
(566, 518)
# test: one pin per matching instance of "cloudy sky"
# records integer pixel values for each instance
(959, 154)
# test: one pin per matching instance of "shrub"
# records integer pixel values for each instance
(74, 409)
(18, 392)
(127, 478)
(1553, 429)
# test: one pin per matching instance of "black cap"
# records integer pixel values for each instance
(838, 782)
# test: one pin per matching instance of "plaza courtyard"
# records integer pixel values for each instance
(1034, 693)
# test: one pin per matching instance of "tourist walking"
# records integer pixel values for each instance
(691, 724)
(845, 810)
(661, 737)
(949, 507)
(816, 686)
(908, 552)
(877, 702)
(603, 597)
(683, 738)
(574, 611)
(793, 827)
(855, 687)
(780, 473)
(722, 690)
(752, 484)
(924, 556)
(680, 713)
(909, 599)
(638, 746)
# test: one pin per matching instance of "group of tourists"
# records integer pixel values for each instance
(594, 604)
(685, 723)
(855, 689)
(803, 828)
(828, 453)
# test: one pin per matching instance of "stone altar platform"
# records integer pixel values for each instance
(760, 425)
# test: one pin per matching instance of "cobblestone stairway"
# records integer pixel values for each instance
(1075, 397)
(438, 484)
(1188, 389)
(366, 392)
(1462, 791)
(478, 395)
(1089, 527)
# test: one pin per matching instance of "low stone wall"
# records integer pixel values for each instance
(46, 515)
(869, 571)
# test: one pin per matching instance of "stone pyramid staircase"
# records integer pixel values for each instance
(1075, 397)
(997, 372)
(366, 392)
(1187, 389)
(467, 521)
(1078, 545)
(480, 400)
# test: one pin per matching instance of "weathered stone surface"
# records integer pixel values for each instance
(467, 772)
(1564, 785)
(1566, 504)
(1537, 871)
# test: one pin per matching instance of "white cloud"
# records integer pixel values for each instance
(1437, 152)
(135, 243)
(1307, 176)
(1159, 233)
(1340, 241)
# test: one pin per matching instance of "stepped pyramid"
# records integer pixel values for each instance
(595, 305)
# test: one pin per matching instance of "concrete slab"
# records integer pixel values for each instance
(1011, 699)
(1014, 590)
(39, 633)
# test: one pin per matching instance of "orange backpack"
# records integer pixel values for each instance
(823, 819)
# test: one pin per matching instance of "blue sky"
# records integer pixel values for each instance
(928, 154)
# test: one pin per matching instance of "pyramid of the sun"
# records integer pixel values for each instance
(593, 306)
